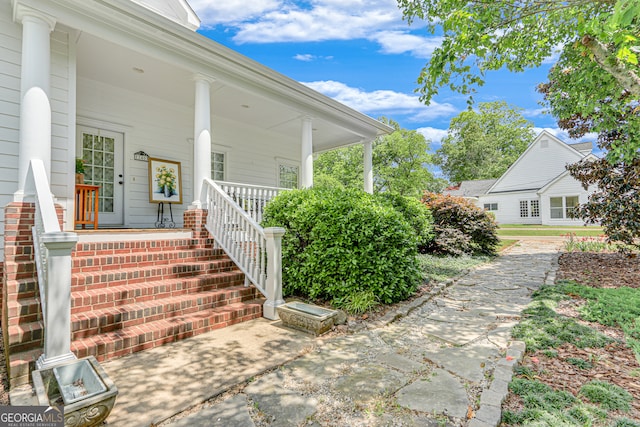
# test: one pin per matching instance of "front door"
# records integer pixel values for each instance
(103, 153)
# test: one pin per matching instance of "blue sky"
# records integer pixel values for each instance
(361, 53)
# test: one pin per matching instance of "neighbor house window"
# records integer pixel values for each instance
(490, 206)
(563, 207)
(288, 176)
(529, 209)
(534, 205)
(218, 166)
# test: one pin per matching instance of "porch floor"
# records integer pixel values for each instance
(119, 234)
(155, 384)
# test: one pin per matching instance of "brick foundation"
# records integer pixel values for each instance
(20, 284)
(195, 219)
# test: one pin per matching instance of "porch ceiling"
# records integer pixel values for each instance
(112, 64)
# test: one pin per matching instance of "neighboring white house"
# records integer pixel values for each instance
(537, 188)
(104, 80)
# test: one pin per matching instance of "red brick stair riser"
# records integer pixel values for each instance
(145, 336)
(90, 323)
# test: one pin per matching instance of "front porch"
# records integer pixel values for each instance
(132, 290)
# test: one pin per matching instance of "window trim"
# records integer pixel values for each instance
(224, 163)
(287, 163)
(490, 206)
(529, 207)
(564, 208)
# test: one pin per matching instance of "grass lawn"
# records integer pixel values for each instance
(579, 232)
(505, 243)
(578, 227)
(437, 268)
(594, 399)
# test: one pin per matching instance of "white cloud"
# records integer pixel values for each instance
(395, 42)
(271, 21)
(379, 101)
(213, 12)
(434, 135)
(322, 22)
(537, 112)
(306, 57)
(563, 135)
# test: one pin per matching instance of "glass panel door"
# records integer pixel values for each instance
(102, 152)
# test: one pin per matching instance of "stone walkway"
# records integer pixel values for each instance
(445, 359)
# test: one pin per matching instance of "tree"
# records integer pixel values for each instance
(343, 166)
(483, 144)
(615, 116)
(399, 163)
(483, 35)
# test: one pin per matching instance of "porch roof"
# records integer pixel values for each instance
(124, 44)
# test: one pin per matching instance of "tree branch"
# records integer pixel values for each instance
(627, 78)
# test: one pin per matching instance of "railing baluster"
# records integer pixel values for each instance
(234, 212)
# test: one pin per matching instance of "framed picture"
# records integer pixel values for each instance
(165, 181)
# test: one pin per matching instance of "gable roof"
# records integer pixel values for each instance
(548, 185)
(473, 188)
(543, 160)
(583, 147)
(175, 10)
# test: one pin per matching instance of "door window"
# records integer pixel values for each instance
(98, 153)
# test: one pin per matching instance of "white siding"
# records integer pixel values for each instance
(509, 207)
(165, 130)
(565, 186)
(10, 53)
(544, 160)
(61, 95)
(10, 59)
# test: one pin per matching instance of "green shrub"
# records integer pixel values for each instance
(343, 246)
(460, 226)
(415, 213)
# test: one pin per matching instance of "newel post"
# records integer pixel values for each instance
(57, 322)
(274, 272)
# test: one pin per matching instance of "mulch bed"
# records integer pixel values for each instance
(4, 383)
(615, 363)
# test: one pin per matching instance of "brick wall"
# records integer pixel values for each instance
(195, 219)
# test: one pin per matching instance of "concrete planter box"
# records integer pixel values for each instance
(82, 386)
(306, 317)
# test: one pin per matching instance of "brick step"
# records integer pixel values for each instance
(113, 296)
(24, 310)
(22, 288)
(138, 246)
(24, 336)
(154, 334)
(114, 318)
(87, 263)
(21, 364)
(96, 279)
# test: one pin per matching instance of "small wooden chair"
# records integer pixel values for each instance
(86, 205)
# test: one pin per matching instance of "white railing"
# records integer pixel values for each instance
(251, 198)
(52, 253)
(256, 251)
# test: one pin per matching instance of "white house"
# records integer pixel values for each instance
(537, 188)
(126, 76)
(114, 82)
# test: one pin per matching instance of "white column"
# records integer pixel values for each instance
(274, 272)
(57, 299)
(201, 137)
(307, 153)
(368, 166)
(35, 108)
